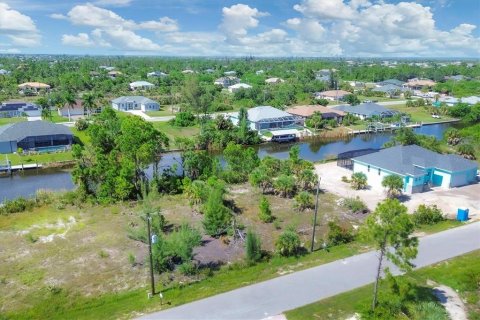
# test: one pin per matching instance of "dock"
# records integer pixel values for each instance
(8, 168)
(375, 127)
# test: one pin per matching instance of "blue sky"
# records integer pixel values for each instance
(363, 28)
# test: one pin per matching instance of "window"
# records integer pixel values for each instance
(379, 171)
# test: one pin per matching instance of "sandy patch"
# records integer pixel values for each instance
(452, 302)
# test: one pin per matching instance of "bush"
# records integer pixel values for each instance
(17, 205)
(188, 268)
(345, 179)
(253, 249)
(356, 205)
(393, 184)
(427, 215)
(265, 213)
(184, 119)
(131, 259)
(304, 200)
(288, 244)
(81, 124)
(358, 181)
(338, 235)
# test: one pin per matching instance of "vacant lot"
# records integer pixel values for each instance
(84, 252)
(447, 200)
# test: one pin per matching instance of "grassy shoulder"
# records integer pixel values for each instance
(458, 273)
(173, 132)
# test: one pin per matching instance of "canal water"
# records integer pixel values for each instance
(27, 183)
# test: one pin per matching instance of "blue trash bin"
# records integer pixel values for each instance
(462, 214)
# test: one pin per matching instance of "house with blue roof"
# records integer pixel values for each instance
(367, 110)
(419, 168)
(126, 103)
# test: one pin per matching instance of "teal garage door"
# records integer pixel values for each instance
(437, 180)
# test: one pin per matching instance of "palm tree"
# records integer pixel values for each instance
(45, 105)
(89, 103)
(70, 100)
(58, 101)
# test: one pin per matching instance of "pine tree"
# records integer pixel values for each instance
(217, 217)
(265, 212)
(253, 250)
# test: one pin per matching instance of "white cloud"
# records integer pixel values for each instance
(237, 19)
(18, 27)
(93, 16)
(308, 29)
(58, 16)
(80, 40)
(325, 9)
(128, 40)
(164, 24)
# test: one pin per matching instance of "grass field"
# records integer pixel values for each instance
(461, 273)
(419, 114)
(4, 121)
(172, 132)
(160, 113)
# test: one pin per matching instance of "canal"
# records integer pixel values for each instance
(27, 183)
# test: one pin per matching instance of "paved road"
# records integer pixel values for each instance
(274, 296)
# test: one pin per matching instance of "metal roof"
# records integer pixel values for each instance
(367, 109)
(133, 99)
(21, 130)
(267, 114)
(410, 160)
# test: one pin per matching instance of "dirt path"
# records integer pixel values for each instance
(450, 299)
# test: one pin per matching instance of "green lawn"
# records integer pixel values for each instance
(160, 113)
(380, 99)
(172, 132)
(461, 273)
(418, 114)
(4, 121)
(57, 118)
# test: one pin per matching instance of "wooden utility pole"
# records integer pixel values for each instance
(152, 279)
(315, 217)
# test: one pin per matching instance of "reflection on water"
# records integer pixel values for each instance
(27, 183)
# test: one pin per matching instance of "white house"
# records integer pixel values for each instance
(226, 82)
(4, 72)
(230, 73)
(274, 80)
(141, 85)
(156, 74)
(188, 71)
(126, 103)
(239, 86)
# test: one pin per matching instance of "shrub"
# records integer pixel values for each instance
(338, 235)
(131, 259)
(355, 205)
(288, 244)
(188, 268)
(427, 215)
(81, 124)
(285, 185)
(17, 205)
(304, 200)
(253, 250)
(184, 119)
(393, 184)
(103, 254)
(43, 197)
(265, 213)
(345, 179)
(19, 151)
(276, 225)
(358, 181)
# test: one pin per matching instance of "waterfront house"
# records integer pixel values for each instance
(307, 111)
(239, 86)
(267, 118)
(18, 109)
(33, 135)
(391, 90)
(367, 110)
(141, 85)
(126, 103)
(419, 168)
(156, 74)
(332, 95)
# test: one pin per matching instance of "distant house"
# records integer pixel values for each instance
(274, 80)
(309, 110)
(188, 71)
(391, 90)
(107, 68)
(18, 109)
(367, 110)
(156, 74)
(267, 118)
(33, 135)
(394, 82)
(419, 84)
(33, 87)
(209, 70)
(226, 82)
(126, 103)
(332, 95)
(76, 110)
(449, 101)
(239, 86)
(141, 85)
(230, 73)
(356, 85)
(455, 78)
(4, 72)
(471, 100)
(324, 74)
(419, 168)
(94, 74)
(114, 74)
(259, 72)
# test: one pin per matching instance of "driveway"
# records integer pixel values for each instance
(291, 291)
(447, 200)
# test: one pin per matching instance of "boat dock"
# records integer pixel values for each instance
(7, 168)
(374, 127)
